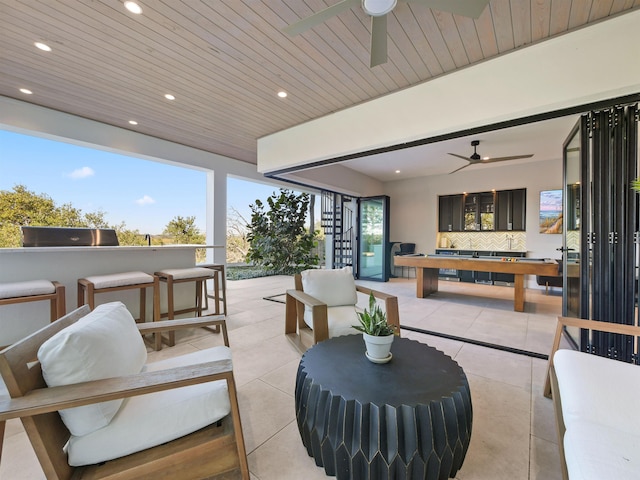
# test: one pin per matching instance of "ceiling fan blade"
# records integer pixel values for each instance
(319, 17)
(502, 159)
(460, 156)
(465, 8)
(458, 169)
(378, 40)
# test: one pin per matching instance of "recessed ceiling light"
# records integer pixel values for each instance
(26, 91)
(133, 122)
(133, 7)
(168, 96)
(486, 158)
(397, 171)
(43, 46)
(282, 94)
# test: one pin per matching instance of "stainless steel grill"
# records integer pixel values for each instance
(68, 237)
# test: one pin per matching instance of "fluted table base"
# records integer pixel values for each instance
(408, 419)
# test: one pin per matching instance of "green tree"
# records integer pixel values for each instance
(22, 207)
(278, 239)
(237, 243)
(184, 230)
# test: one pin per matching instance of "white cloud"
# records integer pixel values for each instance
(145, 200)
(83, 172)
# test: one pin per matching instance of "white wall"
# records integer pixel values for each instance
(337, 178)
(414, 202)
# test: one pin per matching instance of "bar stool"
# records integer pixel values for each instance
(220, 288)
(173, 276)
(35, 291)
(121, 281)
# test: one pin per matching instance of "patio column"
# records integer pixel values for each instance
(217, 215)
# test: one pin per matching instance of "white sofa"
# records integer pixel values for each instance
(596, 401)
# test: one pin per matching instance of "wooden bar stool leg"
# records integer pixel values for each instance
(2, 424)
(80, 295)
(216, 289)
(170, 309)
(198, 298)
(61, 300)
(143, 306)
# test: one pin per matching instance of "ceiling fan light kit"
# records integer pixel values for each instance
(378, 10)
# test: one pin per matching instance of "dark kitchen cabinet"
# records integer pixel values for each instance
(511, 209)
(504, 210)
(450, 213)
(479, 211)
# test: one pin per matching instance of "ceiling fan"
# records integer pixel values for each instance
(378, 10)
(476, 158)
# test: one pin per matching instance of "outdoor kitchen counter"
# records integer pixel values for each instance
(68, 264)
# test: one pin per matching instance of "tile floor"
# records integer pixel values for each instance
(513, 431)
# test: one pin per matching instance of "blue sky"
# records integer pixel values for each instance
(145, 195)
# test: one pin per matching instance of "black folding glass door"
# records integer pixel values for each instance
(600, 266)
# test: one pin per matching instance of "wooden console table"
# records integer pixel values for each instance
(427, 271)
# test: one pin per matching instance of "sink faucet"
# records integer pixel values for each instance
(147, 237)
(509, 242)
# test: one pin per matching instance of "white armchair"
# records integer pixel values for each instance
(323, 305)
(92, 406)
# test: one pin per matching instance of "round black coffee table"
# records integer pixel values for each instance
(406, 419)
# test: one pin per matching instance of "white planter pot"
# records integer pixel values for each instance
(378, 348)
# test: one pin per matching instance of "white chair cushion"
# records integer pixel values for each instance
(119, 279)
(184, 273)
(596, 452)
(333, 287)
(26, 289)
(148, 420)
(103, 344)
(340, 320)
(610, 404)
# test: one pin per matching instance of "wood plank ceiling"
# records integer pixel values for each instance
(225, 60)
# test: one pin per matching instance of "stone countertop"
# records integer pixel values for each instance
(25, 250)
(455, 249)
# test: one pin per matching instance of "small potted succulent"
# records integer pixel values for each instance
(376, 332)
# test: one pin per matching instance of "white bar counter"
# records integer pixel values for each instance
(68, 264)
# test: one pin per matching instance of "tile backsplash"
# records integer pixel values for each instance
(493, 241)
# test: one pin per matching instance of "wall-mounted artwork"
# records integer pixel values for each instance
(551, 211)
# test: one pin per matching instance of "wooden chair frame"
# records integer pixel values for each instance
(304, 337)
(218, 449)
(551, 383)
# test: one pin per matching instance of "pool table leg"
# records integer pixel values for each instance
(518, 301)
(426, 281)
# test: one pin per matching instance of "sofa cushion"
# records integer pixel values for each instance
(103, 344)
(120, 279)
(609, 404)
(595, 452)
(340, 320)
(333, 287)
(26, 289)
(148, 420)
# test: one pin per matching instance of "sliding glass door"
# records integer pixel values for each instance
(373, 238)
